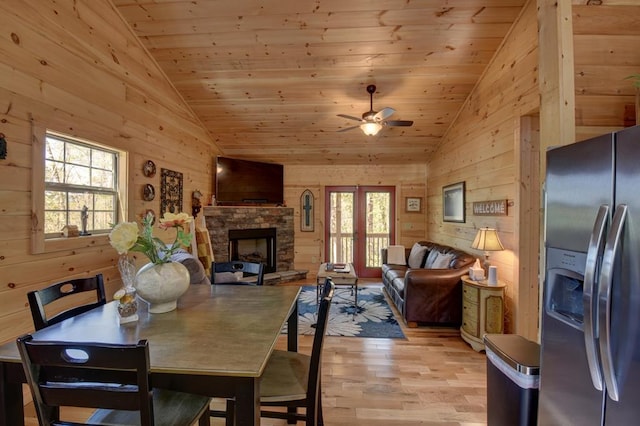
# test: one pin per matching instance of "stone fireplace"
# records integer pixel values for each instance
(251, 229)
(257, 245)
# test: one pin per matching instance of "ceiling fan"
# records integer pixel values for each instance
(373, 121)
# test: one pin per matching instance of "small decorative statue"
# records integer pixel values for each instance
(84, 216)
(196, 203)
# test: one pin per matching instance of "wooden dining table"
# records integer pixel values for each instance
(217, 343)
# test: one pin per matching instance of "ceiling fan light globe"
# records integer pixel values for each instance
(371, 129)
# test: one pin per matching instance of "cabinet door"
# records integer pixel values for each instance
(470, 314)
(494, 308)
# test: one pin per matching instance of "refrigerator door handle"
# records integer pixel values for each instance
(604, 299)
(596, 246)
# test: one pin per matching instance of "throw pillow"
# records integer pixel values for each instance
(433, 254)
(442, 261)
(193, 265)
(416, 256)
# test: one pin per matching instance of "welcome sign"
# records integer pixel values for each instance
(490, 208)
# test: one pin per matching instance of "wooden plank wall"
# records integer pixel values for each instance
(606, 50)
(77, 68)
(479, 149)
(409, 180)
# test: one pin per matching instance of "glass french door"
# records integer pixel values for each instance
(359, 222)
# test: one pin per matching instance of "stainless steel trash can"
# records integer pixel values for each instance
(513, 380)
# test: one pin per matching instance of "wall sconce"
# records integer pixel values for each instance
(371, 128)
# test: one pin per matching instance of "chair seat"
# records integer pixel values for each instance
(285, 378)
(170, 409)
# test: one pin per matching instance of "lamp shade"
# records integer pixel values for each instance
(487, 240)
(371, 129)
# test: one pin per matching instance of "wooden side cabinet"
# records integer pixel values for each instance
(482, 311)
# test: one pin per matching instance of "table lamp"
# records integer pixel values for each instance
(487, 240)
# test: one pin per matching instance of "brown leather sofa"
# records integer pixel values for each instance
(428, 296)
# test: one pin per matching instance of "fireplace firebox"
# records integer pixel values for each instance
(256, 245)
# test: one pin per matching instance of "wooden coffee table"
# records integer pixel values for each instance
(346, 277)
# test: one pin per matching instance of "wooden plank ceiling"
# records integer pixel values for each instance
(268, 78)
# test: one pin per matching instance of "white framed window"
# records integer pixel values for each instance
(68, 174)
(81, 182)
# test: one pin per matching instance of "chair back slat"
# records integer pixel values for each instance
(94, 375)
(38, 299)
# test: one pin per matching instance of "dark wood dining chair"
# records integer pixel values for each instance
(292, 379)
(113, 378)
(248, 269)
(38, 299)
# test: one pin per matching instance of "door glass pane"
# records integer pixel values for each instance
(341, 227)
(378, 226)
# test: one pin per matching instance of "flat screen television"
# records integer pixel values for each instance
(244, 182)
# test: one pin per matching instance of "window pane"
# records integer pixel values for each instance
(54, 149)
(77, 175)
(102, 160)
(75, 218)
(102, 178)
(53, 172)
(54, 221)
(77, 200)
(78, 154)
(105, 202)
(55, 200)
(103, 220)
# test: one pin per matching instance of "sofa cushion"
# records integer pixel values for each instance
(398, 284)
(416, 257)
(442, 261)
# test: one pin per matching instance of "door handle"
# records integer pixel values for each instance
(604, 299)
(589, 302)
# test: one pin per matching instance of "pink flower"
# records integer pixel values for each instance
(171, 220)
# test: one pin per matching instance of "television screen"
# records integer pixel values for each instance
(248, 182)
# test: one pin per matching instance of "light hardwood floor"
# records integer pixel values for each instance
(431, 378)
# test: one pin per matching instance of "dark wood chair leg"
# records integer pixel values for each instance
(230, 419)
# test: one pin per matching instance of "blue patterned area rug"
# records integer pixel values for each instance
(372, 318)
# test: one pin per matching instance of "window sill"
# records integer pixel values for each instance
(70, 243)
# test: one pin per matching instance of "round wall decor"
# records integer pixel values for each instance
(149, 168)
(149, 192)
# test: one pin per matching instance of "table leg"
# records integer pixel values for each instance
(292, 330)
(356, 287)
(248, 402)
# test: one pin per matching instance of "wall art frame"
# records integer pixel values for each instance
(453, 203)
(413, 205)
(170, 191)
(306, 211)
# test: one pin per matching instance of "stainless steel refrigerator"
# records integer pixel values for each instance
(590, 345)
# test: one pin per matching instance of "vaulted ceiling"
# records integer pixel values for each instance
(268, 78)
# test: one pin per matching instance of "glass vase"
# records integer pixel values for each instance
(126, 296)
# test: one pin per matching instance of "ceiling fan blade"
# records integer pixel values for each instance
(384, 113)
(350, 117)
(347, 128)
(398, 123)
